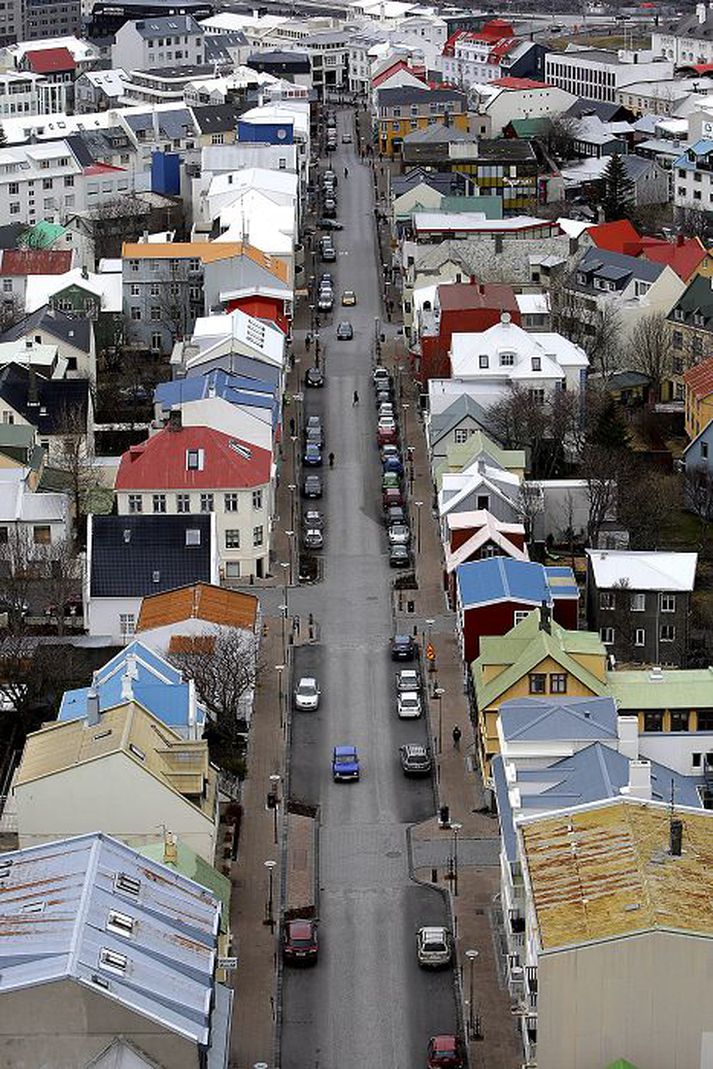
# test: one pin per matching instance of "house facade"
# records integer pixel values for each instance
(401, 111)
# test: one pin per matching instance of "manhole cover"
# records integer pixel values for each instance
(393, 853)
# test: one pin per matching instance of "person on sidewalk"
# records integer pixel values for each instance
(456, 737)
(331, 460)
(355, 402)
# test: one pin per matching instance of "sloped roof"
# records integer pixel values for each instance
(550, 719)
(683, 255)
(75, 332)
(36, 261)
(635, 690)
(643, 570)
(699, 379)
(490, 532)
(486, 582)
(199, 601)
(616, 236)
(133, 556)
(57, 399)
(443, 423)
(160, 463)
(50, 60)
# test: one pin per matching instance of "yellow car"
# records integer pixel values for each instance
(349, 298)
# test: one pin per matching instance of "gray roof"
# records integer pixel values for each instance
(438, 134)
(167, 26)
(217, 46)
(174, 124)
(601, 108)
(538, 719)
(636, 166)
(615, 266)
(689, 26)
(442, 182)
(152, 558)
(217, 117)
(446, 421)
(75, 332)
(412, 94)
(74, 885)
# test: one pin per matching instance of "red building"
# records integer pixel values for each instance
(262, 307)
(479, 535)
(460, 308)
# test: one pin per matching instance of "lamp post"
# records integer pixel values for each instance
(471, 955)
(455, 828)
(285, 565)
(279, 668)
(283, 613)
(294, 440)
(269, 915)
(292, 488)
(419, 506)
(438, 695)
(274, 791)
(409, 451)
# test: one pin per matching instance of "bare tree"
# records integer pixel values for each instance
(651, 349)
(596, 327)
(693, 223)
(647, 500)
(698, 495)
(546, 429)
(75, 457)
(61, 579)
(561, 136)
(531, 505)
(601, 468)
(18, 571)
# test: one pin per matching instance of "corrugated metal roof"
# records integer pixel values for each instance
(200, 601)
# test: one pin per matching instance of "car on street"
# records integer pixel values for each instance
(380, 373)
(328, 254)
(382, 395)
(345, 763)
(434, 947)
(399, 556)
(392, 466)
(314, 423)
(403, 648)
(415, 759)
(389, 451)
(387, 434)
(313, 519)
(313, 436)
(329, 224)
(331, 175)
(408, 679)
(313, 539)
(312, 455)
(349, 298)
(312, 486)
(330, 208)
(387, 423)
(399, 534)
(392, 496)
(445, 1052)
(346, 138)
(307, 694)
(325, 279)
(326, 302)
(314, 377)
(408, 705)
(390, 480)
(299, 942)
(345, 331)
(394, 514)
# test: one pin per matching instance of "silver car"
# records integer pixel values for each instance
(399, 534)
(408, 679)
(434, 947)
(408, 705)
(307, 694)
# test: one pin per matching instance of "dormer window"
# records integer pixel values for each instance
(537, 363)
(507, 359)
(678, 314)
(581, 278)
(194, 460)
(483, 361)
(698, 319)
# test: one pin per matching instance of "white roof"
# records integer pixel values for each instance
(573, 228)
(554, 351)
(19, 503)
(284, 111)
(257, 220)
(533, 303)
(226, 190)
(40, 288)
(644, 570)
(112, 82)
(78, 48)
(254, 334)
(229, 21)
(474, 221)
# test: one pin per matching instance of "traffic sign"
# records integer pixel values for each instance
(430, 653)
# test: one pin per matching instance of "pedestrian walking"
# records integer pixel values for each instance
(308, 341)
(346, 172)
(331, 460)
(292, 426)
(456, 737)
(355, 401)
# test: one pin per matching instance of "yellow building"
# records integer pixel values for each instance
(698, 384)
(536, 658)
(402, 110)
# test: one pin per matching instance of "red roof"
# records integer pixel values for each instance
(615, 236)
(518, 83)
(699, 68)
(699, 379)
(101, 168)
(224, 463)
(36, 261)
(496, 28)
(399, 65)
(683, 255)
(457, 296)
(50, 60)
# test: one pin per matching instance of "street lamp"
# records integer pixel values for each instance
(283, 613)
(419, 506)
(292, 488)
(471, 955)
(438, 695)
(279, 668)
(455, 828)
(274, 791)
(269, 914)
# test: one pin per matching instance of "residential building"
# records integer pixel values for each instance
(62, 17)
(474, 536)
(57, 69)
(20, 93)
(130, 557)
(198, 611)
(163, 84)
(17, 264)
(12, 22)
(698, 382)
(536, 658)
(236, 343)
(81, 295)
(139, 674)
(54, 407)
(73, 339)
(183, 470)
(453, 424)
(691, 325)
(99, 998)
(105, 17)
(597, 74)
(401, 111)
(688, 40)
(523, 100)
(473, 57)
(486, 486)
(148, 44)
(640, 603)
(99, 90)
(691, 174)
(461, 454)
(28, 517)
(698, 472)
(494, 595)
(578, 930)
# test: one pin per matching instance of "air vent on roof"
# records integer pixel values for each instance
(102, 735)
(100, 981)
(113, 962)
(120, 923)
(156, 577)
(193, 537)
(127, 534)
(137, 752)
(241, 450)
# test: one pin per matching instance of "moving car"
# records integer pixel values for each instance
(434, 947)
(346, 138)
(399, 556)
(299, 942)
(313, 539)
(403, 648)
(415, 760)
(349, 298)
(312, 455)
(408, 705)
(345, 763)
(345, 331)
(307, 693)
(312, 486)
(408, 679)
(445, 1052)
(314, 377)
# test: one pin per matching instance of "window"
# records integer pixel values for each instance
(520, 614)
(119, 923)
(155, 312)
(705, 720)
(153, 289)
(206, 502)
(667, 633)
(194, 265)
(230, 502)
(668, 602)
(46, 183)
(537, 363)
(257, 536)
(232, 569)
(135, 289)
(695, 760)
(483, 361)
(638, 602)
(607, 635)
(135, 313)
(41, 535)
(183, 502)
(136, 503)
(156, 339)
(558, 683)
(257, 499)
(113, 962)
(680, 719)
(232, 538)
(537, 397)
(482, 501)
(507, 359)
(653, 720)
(677, 339)
(704, 450)
(127, 623)
(460, 435)
(159, 502)
(7, 285)
(640, 636)
(606, 599)
(193, 459)
(537, 682)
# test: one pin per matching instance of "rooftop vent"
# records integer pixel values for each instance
(193, 537)
(127, 535)
(676, 838)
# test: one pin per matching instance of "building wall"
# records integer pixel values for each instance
(252, 425)
(682, 751)
(58, 18)
(393, 129)
(102, 617)
(638, 635)
(527, 104)
(500, 618)
(699, 412)
(116, 795)
(646, 998)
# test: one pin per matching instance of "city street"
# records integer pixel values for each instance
(366, 1003)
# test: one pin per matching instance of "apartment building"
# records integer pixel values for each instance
(20, 94)
(598, 74)
(690, 40)
(147, 44)
(45, 17)
(401, 111)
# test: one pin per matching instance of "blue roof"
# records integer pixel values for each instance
(156, 685)
(700, 148)
(237, 389)
(545, 719)
(483, 582)
(590, 775)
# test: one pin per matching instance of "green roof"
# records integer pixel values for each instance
(189, 864)
(621, 1063)
(677, 688)
(460, 455)
(42, 235)
(19, 435)
(524, 646)
(531, 127)
(492, 207)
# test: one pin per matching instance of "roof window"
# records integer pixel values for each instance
(193, 537)
(120, 923)
(113, 962)
(128, 885)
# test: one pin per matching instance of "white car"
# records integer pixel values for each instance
(434, 947)
(408, 679)
(307, 694)
(408, 705)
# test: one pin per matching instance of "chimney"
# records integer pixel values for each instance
(192, 709)
(545, 618)
(85, 273)
(170, 848)
(127, 689)
(628, 729)
(639, 785)
(32, 395)
(175, 419)
(680, 240)
(93, 704)
(701, 13)
(676, 838)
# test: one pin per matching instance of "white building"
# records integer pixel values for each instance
(20, 93)
(524, 102)
(41, 519)
(690, 41)
(149, 44)
(597, 74)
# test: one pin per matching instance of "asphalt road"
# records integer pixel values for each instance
(366, 1003)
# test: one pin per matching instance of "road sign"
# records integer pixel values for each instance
(430, 653)
(227, 963)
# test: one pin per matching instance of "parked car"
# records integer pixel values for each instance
(299, 942)
(408, 679)
(394, 514)
(326, 279)
(313, 436)
(328, 254)
(381, 396)
(387, 434)
(399, 556)
(389, 451)
(392, 496)
(313, 539)
(380, 372)
(307, 694)
(325, 302)
(312, 455)
(415, 759)
(329, 173)
(349, 298)
(434, 947)
(314, 377)
(408, 705)
(385, 408)
(313, 519)
(390, 480)
(312, 486)
(393, 466)
(445, 1052)
(329, 208)
(399, 534)
(346, 138)
(345, 763)
(329, 224)
(403, 648)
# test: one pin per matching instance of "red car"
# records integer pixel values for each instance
(299, 942)
(392, 496)
(445, 1052)
(387, 436)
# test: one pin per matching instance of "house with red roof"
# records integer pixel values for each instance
(686, 256)
(57, 67)
(198, 470)
(17, 265)
(698, 382)
(480, 57)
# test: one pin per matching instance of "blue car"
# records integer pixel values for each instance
(345, 763)
(312, 455)
(393, 464)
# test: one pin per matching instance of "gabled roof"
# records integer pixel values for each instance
(683, 255)
(236, 389)
(699, 379)
(643, 570)
(217, 118)
(696, 300)
(618, 236)
(133, 556)
(490, 532)
(171, 25)
(509, 82)
(199, 601)
(487, 582)
(75, 332)
(57, 399)
(601, 262)
(161, 462)
(78, 882)
(412, 94)
(442, 424)
(36, 261)
(464, 296)
(460, 456)
(550, 719)
(50, 60)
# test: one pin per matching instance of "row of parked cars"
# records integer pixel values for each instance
(392, 491)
